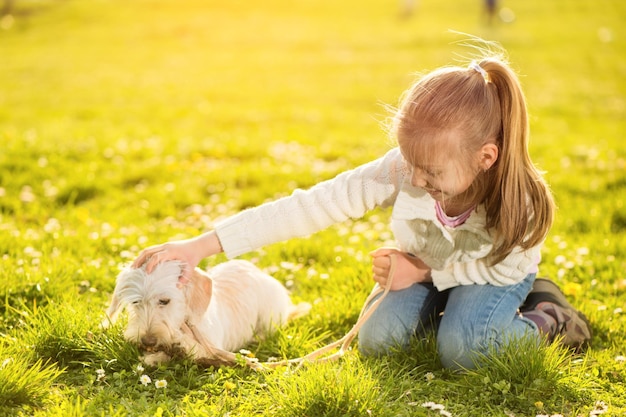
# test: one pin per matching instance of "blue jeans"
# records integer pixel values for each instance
(476, 317)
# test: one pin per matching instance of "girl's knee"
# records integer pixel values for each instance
(377, 339)
(394, 321)
(459, 350)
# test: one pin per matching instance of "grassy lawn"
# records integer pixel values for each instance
(129, 123)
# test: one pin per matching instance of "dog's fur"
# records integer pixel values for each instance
(207, 318)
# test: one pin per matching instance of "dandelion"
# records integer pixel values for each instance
(100, 374)
(572, 288)
(160, 383)
(145, 380)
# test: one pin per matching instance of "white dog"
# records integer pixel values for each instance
(208, 318)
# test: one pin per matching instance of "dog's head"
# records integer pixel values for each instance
(158, 304)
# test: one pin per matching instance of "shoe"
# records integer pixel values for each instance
(569, 325)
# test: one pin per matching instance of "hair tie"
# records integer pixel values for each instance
(476, 67)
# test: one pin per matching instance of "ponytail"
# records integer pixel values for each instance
(520, 207)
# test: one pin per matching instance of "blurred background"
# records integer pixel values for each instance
(104, 103)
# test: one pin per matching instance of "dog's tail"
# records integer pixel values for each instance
(299, 310)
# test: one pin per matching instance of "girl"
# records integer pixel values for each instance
(469, 213)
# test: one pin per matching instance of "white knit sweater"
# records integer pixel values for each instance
(456, 255)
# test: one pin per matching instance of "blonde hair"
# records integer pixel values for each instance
(482, 104)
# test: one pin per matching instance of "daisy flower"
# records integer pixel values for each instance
(145, 380)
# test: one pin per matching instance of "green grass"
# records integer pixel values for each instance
(125, 124)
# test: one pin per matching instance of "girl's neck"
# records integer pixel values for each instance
(456, 206)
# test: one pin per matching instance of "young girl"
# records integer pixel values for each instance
(469, 213)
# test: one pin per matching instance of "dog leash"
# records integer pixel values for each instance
(345, 341)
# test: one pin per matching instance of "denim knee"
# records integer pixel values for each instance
(458, 350)
(377, 338)
(395, 320)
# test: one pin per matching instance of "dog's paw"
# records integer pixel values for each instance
(155, 358)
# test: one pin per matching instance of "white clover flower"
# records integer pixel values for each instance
(437, 407)
(100, 374)
(145, 380)
(160, 383)
(600, 408)
(139, 369)
(288, 265)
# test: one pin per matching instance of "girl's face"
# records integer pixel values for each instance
(442, 169)
(443, 179)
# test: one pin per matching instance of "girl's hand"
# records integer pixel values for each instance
(409, 269)
(188, 251)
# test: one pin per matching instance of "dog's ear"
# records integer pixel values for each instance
(112, 312)
(116, 306)
(198, 293)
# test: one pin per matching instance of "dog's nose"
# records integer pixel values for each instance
(148, 340)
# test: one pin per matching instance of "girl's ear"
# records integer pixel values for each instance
(488, 155)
